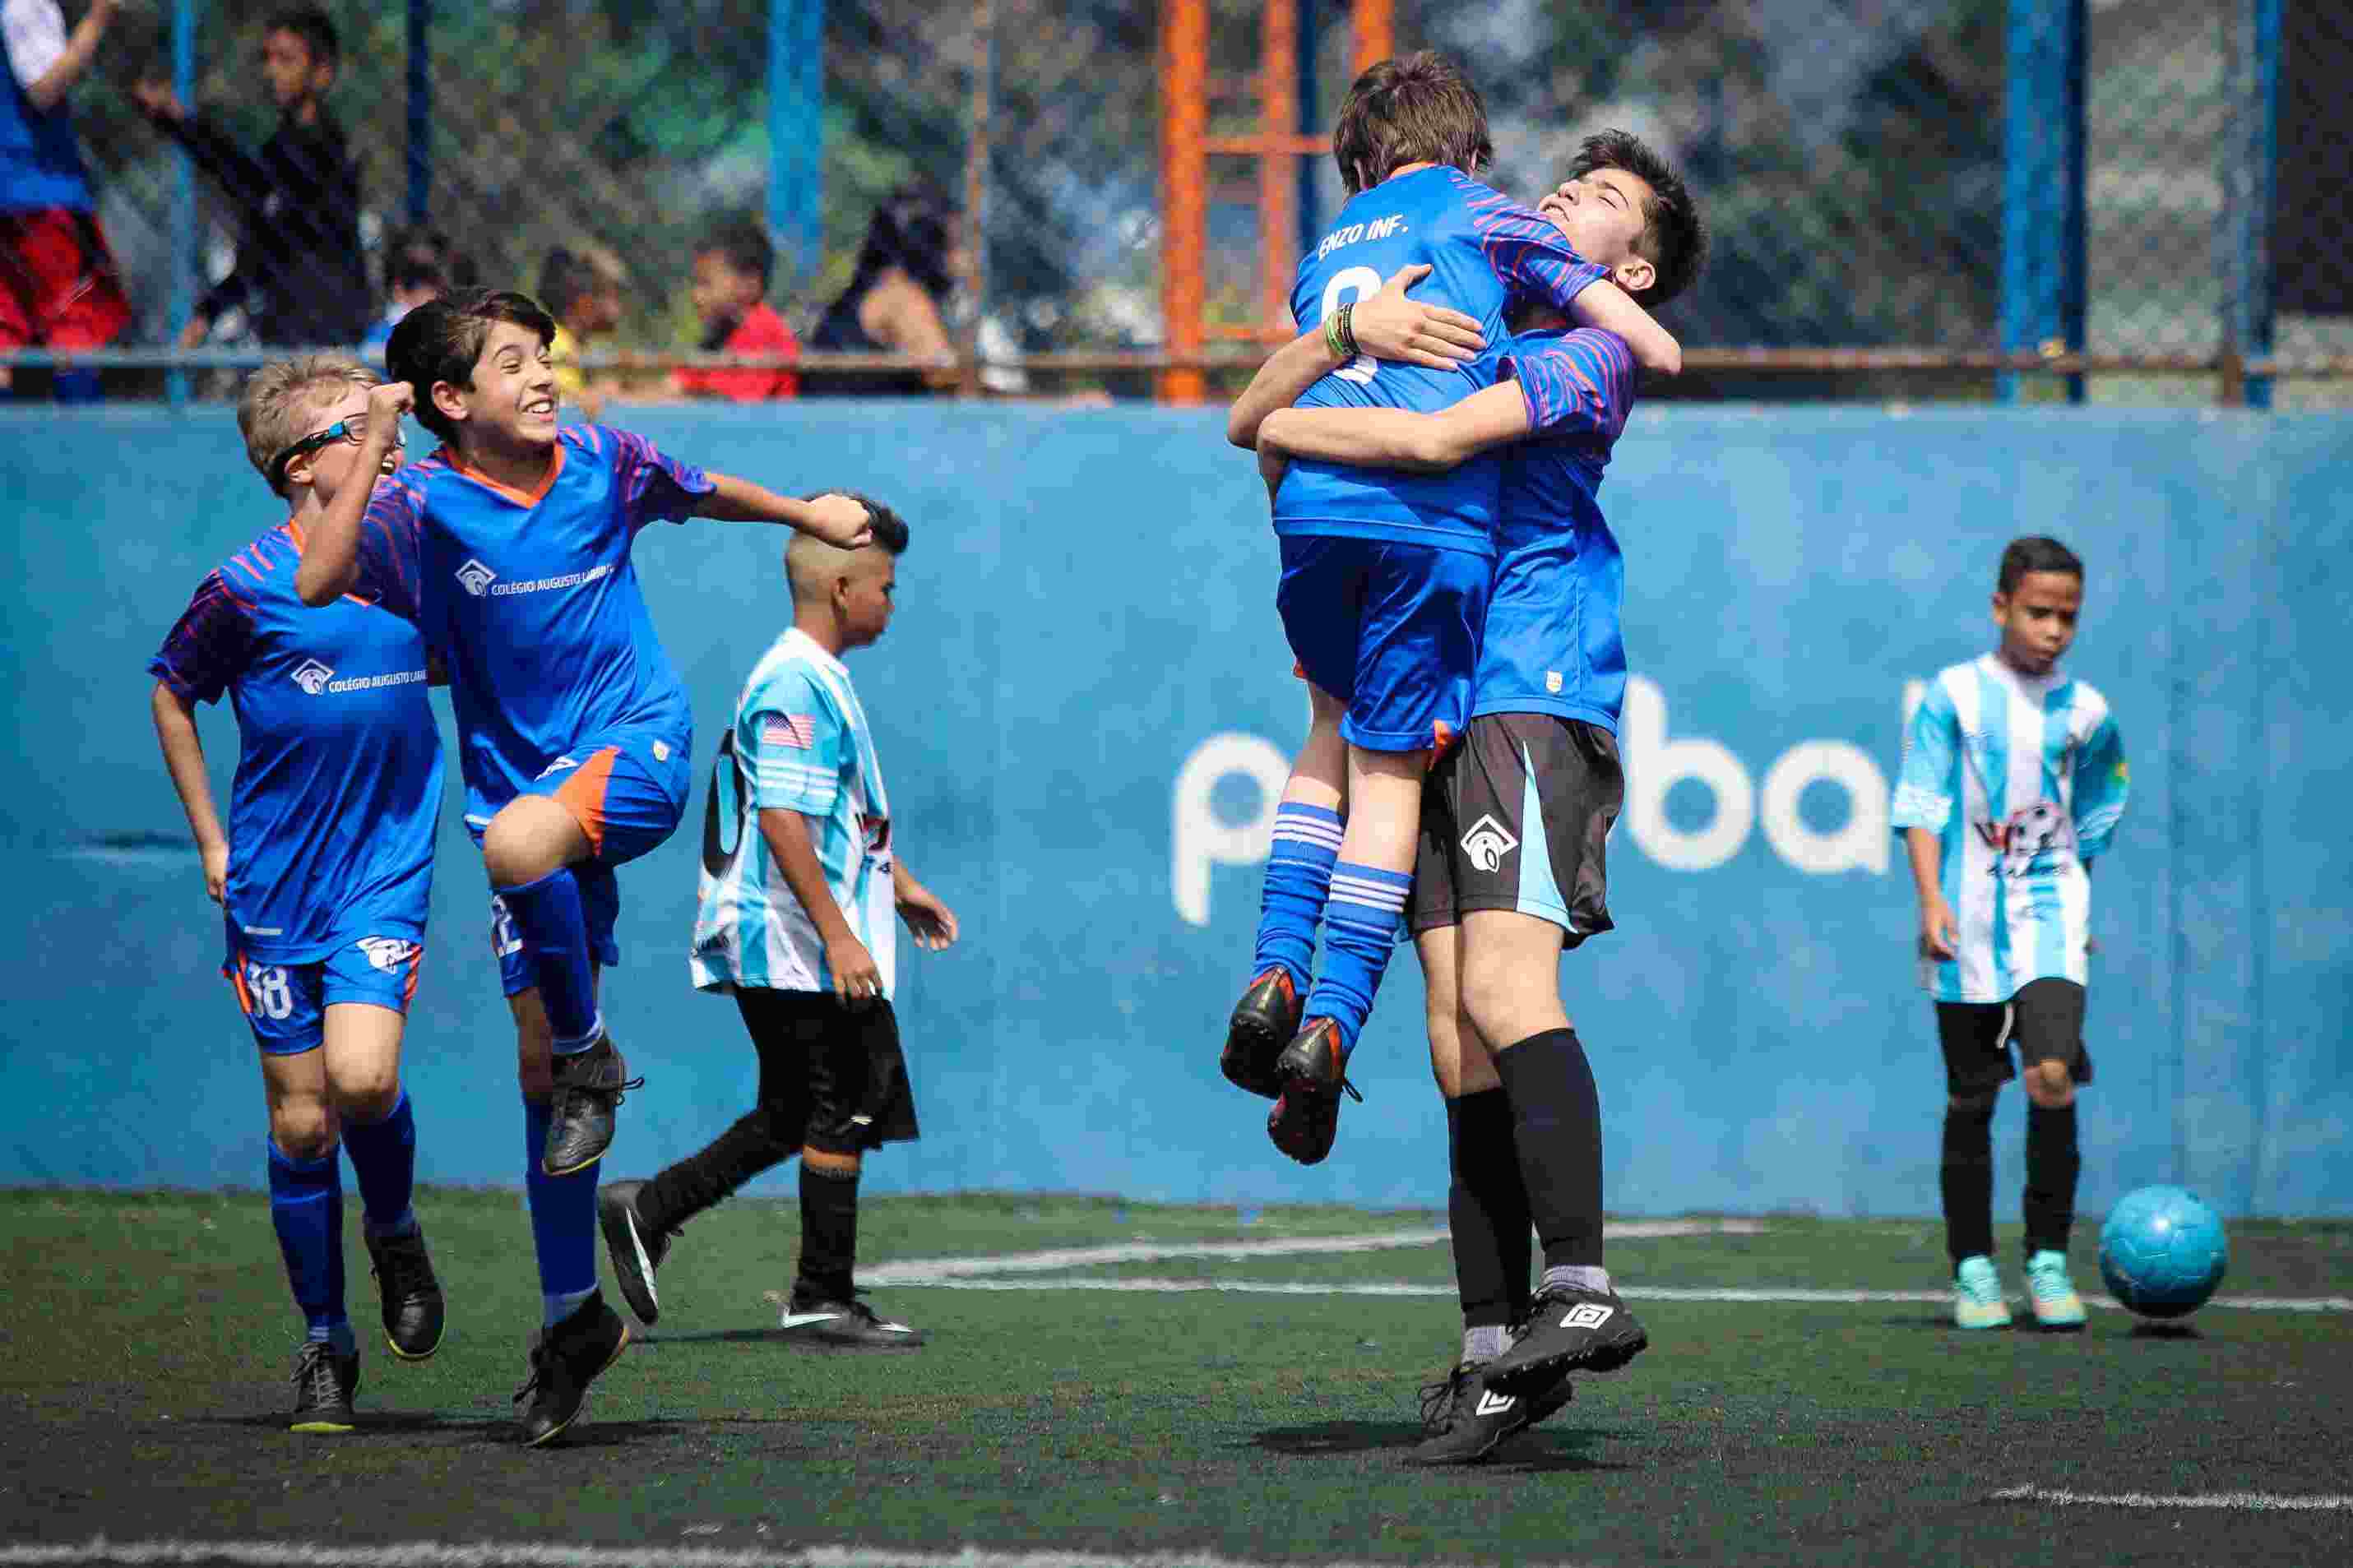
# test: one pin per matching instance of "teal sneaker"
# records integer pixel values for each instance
(1977, 1295)
(2051, 1294)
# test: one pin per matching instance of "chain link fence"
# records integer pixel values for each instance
(1849, 154)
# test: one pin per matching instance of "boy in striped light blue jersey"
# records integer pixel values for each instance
(800, 881)
(2014, 782)
(1385, 572)
(1511, 865)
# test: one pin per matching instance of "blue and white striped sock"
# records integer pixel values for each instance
(1298, 881)
(1360, 927)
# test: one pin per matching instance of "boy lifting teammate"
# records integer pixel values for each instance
(1385, 575)
(799, 878)
(509, 548)
(2014, 782)
(327, 867)
(1515, 824)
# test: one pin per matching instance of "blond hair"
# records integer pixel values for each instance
(282, 397)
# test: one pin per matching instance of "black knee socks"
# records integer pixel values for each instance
(2053, 1163)
(829, 1233)
(1488, 1209)
(1557, 1125)
(1968, 1180)
(749, 1147)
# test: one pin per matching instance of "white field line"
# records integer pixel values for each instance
(519, 1554)
(942, 1270)
(2255, 1502)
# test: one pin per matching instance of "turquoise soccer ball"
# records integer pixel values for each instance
(2162, 1252)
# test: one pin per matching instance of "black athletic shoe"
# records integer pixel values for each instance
(588, 1085)
(815, 1323)
(1306, 1114)
(413, 1312)
(564, 1360)
(1262, 1022)
(634, 1247)
(1569, 1330)
(324, 1386)
(1467, 1419)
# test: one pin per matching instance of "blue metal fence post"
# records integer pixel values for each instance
(184, 190)
(796, 131)
(2043, 278)
(2251, 154)
(420, 111)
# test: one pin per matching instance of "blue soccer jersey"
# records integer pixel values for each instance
(534, 602)
(1552, 642)
(1484, 251)
(338, 783)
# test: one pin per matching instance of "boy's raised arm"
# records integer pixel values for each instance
(1385, 325)
(838, 520)
(331, 549)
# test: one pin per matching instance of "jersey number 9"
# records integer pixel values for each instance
(1349, 285)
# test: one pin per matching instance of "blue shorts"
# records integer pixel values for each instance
(1390, 629)
(627, 789)
(286, 1003)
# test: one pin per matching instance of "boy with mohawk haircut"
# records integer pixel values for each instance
(510, 547)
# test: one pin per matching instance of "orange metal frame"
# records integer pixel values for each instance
(1186, 148)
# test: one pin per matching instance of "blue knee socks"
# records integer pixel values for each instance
(548, 916)
(1298, 881)
(384, 1158)
(1360, 927)
(306, 1207)
(562, 1222)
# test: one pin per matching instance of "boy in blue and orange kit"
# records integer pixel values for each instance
(1384, 573)
(327, 868)
(510, 547)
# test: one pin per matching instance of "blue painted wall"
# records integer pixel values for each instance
(1088, 606)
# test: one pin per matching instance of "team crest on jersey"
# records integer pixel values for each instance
(312, 677)
(476, 578)
(386, 952)
(1487, 842)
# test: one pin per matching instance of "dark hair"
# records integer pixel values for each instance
(744, 246)
(889, 528)
(441, 341)
(1417, 109)
(2036, 554)
(911, 230)
(564, 275)
(312, 26)
(1673, 240)
(416, 256)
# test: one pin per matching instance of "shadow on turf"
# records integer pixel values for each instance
(1539, 1450)
(498, 1430)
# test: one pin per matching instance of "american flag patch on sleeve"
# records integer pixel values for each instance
(797, 731)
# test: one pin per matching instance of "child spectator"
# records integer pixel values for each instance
(418, 267)
(732, 267)
(582, 287)
(299, 273)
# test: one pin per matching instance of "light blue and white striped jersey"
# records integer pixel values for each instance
(799, 742)
(2022, 778)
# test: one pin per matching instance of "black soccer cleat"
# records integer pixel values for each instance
(413, 1310)
(324, 1386)
(1306, 1114)
(564, 1360)
(1569, 1330)
(634, 1248)
(1467, 1418)
(588, 1085)
(813, 1322)
(1261, 1024)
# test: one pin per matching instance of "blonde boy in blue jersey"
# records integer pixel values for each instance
(2014, 782)
(799, 882)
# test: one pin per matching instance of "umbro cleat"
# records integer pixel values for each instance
(814, 1323)
(324, 1386)
(588, 1085)
(1262, 1022)
(412, 1311)
(1311, 1076)
(634, 1248)
(2057, 1309)
(1976, 1296)
(1467, 1419)
(564, 1360)
(1569, 1330)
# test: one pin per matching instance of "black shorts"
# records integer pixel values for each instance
(831, 1068)
(1517, 817)
(2044, 1022)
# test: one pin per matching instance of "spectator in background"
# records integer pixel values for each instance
(299, 274)
(732, 268)
(896, 301)
(416, 268)
(58, 283)
(581, 288)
